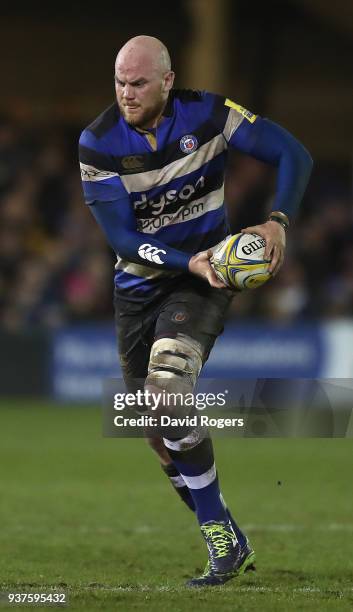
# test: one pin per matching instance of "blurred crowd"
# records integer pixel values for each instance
(55, 266)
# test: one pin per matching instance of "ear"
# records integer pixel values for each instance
(168, 81)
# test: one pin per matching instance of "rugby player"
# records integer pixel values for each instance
(153, 168)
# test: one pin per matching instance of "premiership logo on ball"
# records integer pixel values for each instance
(239, 262)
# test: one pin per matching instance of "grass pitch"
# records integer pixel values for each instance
(96, 518)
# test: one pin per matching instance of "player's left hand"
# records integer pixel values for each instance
(199, 264)
(275, 237)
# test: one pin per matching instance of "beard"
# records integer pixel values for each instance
(142, 117)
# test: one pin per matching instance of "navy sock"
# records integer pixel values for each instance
(179, 485)
(184, 493)
(182, 490)
(196, 466)
(241, 537)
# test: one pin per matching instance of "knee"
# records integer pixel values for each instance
(174, 365)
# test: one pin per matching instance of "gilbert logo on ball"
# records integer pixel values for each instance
(188, 143)
(239, 261)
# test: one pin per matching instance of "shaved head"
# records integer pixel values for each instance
(145, 50)
(143, 79)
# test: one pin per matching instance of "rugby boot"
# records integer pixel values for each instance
(227, 558)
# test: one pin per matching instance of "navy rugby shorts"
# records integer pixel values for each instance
(192, 308)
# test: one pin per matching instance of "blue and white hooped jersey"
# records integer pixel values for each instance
(173, 177)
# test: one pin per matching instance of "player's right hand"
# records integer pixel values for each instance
(199, 264)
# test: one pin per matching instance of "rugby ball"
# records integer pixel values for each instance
(239, 261)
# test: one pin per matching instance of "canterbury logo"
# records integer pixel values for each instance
(151, 253)
(132, 162)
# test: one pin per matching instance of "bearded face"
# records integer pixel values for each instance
(141, 92)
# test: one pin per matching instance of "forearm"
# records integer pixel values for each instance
(134, 246)
(294, 165)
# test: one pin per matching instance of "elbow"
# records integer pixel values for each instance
(310, 160)
(307, 159)
(299, 158)
(306, 162)
(126, 246)
(122, 252)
